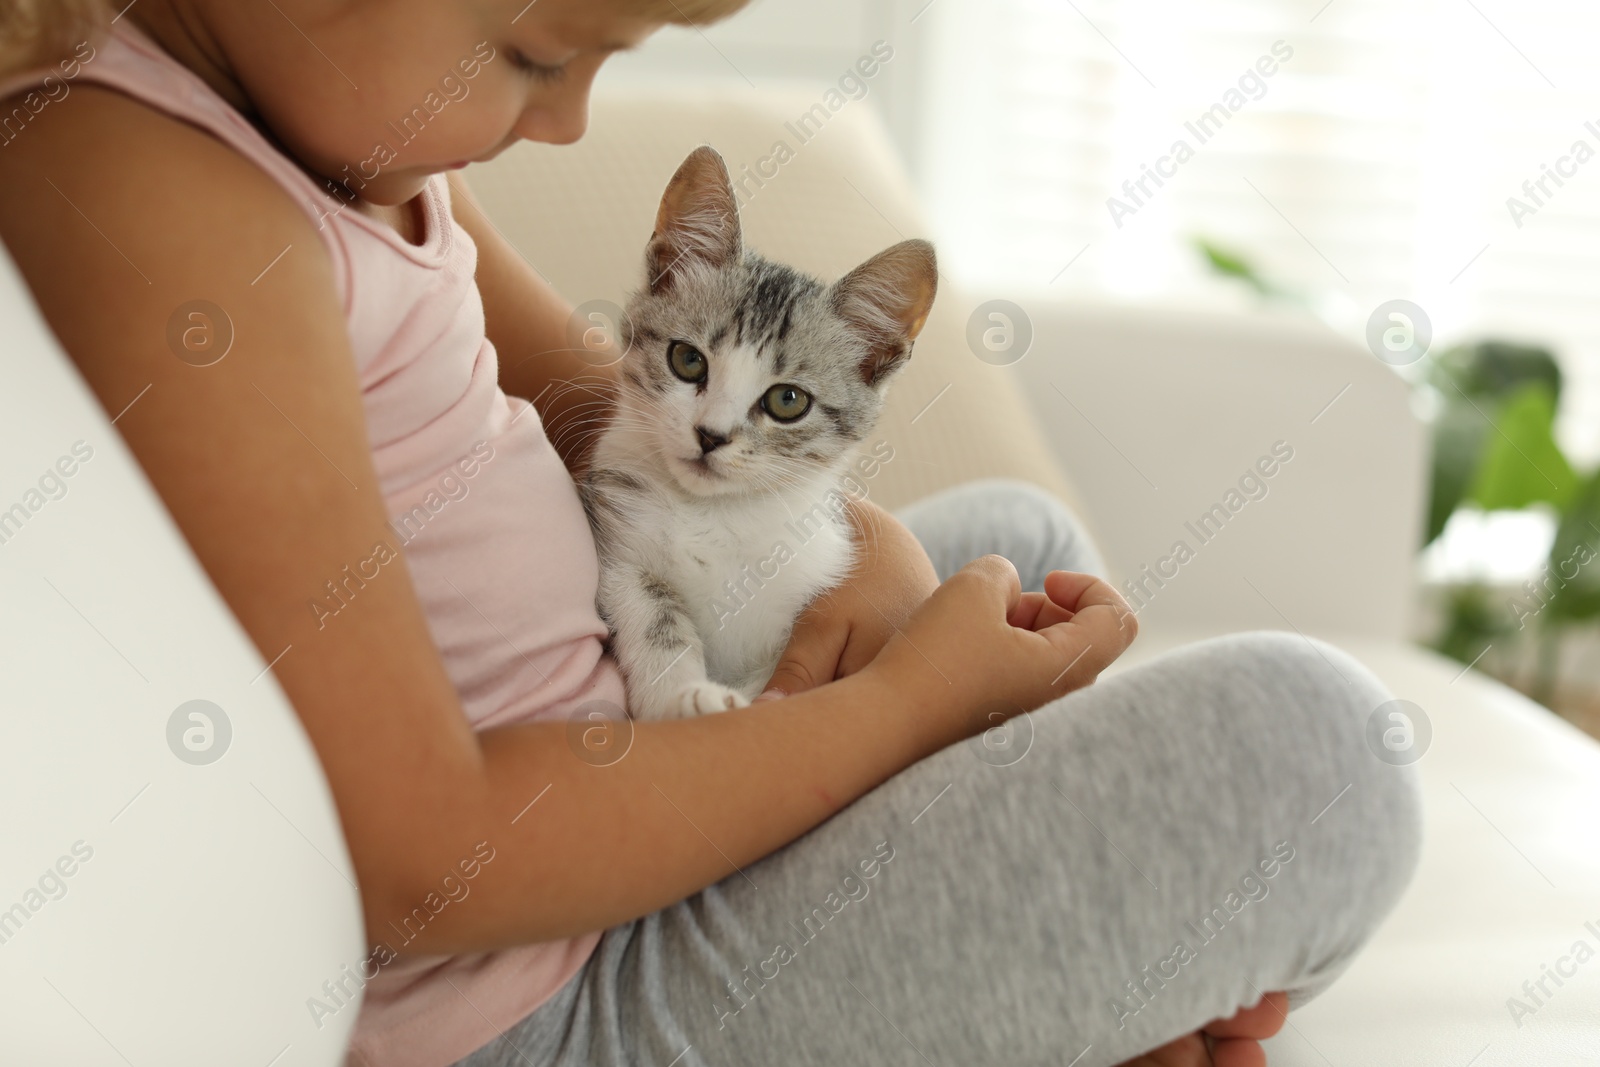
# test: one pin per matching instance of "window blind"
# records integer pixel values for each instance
(1374, 162)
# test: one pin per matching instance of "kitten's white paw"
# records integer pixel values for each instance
(703, 698)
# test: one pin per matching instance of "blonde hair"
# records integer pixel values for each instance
(37, 32)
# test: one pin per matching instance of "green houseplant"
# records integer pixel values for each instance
(1494, 448)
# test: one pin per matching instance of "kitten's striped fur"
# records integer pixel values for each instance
(695, 486)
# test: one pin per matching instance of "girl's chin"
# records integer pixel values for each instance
(393, 190)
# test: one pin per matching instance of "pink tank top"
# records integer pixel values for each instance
(485, 513)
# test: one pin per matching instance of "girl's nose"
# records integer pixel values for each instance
(559, 114)
(560, 125)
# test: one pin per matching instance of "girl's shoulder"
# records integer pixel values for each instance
(123, 110)
(100, 127)
(104, 171)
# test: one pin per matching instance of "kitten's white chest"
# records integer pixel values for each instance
(747, 569)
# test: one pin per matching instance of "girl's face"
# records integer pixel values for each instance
(381, 94)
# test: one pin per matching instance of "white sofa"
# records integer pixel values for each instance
(211, 898)
(219, 897)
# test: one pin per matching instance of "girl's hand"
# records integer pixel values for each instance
(980, 648)
(844, 629)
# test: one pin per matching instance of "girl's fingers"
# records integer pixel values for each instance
(1080, 592)
(1035, 611)
(1025, 612)
(816, 644)
(1105, 632)
(988, 580)
(1050, 614)
(1067, 587)
(1000, 576)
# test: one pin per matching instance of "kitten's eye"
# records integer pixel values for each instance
(786, 402)
(686, 362)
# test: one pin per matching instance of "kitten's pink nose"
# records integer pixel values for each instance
(710, 440)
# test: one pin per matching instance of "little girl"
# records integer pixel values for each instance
(242, 221)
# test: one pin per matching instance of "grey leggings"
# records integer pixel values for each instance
(1094, 880)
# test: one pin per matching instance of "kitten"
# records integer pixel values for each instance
(714, 492)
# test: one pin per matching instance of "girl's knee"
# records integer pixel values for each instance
(1028, 525)
(1324, 742)
(1307, 675)
(1043, 522)
(1351, 720)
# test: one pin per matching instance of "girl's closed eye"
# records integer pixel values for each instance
(539, 72)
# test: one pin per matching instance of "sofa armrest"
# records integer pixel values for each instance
(201, 886)
(1162, 416)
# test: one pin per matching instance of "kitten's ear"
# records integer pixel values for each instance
(698, 222)
(887, 299)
